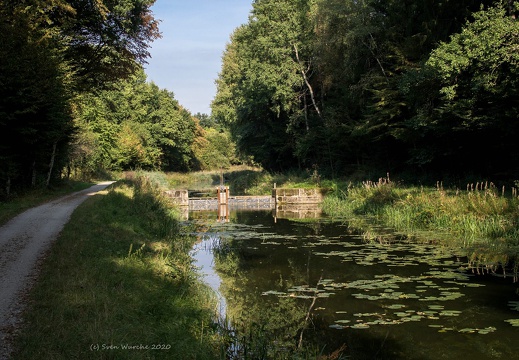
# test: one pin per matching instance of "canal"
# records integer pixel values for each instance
(315, 287)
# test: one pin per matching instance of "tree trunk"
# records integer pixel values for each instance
(303, 72)
(33, 177)
(376, 58)
(306, 114)
(51, 165)
(8, 186)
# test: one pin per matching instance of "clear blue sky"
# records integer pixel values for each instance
(188, 57)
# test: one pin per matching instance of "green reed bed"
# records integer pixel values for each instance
(119, 284)
(483, 220)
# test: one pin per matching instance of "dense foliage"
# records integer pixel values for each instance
(132, 125)
(347, 86)
(74, 98)
(331, 86)
(51, 51)
(137, 125)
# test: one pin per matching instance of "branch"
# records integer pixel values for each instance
(307, 83)
(376, 58)
(309, 313)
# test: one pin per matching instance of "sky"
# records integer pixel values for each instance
(188, 57)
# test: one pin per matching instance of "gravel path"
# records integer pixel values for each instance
(23, 242)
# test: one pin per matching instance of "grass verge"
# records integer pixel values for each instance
(119, 284)
(19, 203)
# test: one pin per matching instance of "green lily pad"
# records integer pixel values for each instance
(360, 326)
(513, 322)
(273, 292)
(396, 306)
(450, 313)
(468, 330)
(487, 330)
(338, 327)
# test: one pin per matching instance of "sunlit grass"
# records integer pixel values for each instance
(483, 221)
(120, 274)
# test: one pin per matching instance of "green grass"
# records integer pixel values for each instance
(120, 275)
(245, 180)
(483, 222)
(18, 203)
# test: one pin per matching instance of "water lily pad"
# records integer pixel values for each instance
(450, 313)
(443, 330)
(468, 330)
(273, 292)
(360, 326)
(396, 306)
(487, 330)
(324, 295)
(401, 314)
(513, 322)
(365, 314)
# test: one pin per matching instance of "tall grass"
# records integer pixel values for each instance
(483, 220)
(120, 276)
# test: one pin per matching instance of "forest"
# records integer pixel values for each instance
(427, 88)
(339, 87)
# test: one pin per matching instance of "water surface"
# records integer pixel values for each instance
(318, 278)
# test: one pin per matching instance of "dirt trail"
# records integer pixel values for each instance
(23, 242)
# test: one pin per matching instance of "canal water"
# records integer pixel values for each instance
(316, 284)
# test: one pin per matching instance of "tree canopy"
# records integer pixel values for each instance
(51, 51)
(399, 86)
(336, 86)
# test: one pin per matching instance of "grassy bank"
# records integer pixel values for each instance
(482, 220)
(244, 180)
(119, 284)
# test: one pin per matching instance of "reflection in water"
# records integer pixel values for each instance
(202, 254)
(313, 280)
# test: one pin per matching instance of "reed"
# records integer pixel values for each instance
(481, 217)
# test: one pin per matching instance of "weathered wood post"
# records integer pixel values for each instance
(275, 195)
(222, 194)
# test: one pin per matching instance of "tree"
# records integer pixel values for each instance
(478, 72)
(105, 40)
(35, 112)
(264, 88)
(354, 85)
(134, 125)
(49, 50)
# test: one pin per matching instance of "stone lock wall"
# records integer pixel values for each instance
(180, 197)
(297, 196)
